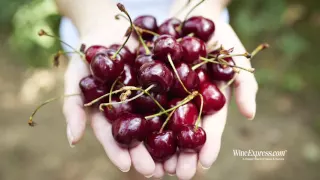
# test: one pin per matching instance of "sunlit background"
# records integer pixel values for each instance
(288, 115)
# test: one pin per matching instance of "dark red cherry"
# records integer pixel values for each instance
(213, 99)
(193, 48)
(161, 145)
(129, 129)
(127, 56)
(184, 115)
(221, 72)
(154, 124)
(164, 45)
(190, 138)
(116, 110)
(157, 74)
(202, 28)
(142, 59)
(146, 22)
(188, 77)
(106, 69)
(170, 27)
(141, 50)
(145, 104)
(202, 75)
(92, 51)
(91, 88)
(128, 76)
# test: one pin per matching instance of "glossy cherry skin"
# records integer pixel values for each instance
(129, 129)
(190, 138)
(127, 56)
(164, 45)
(128, 76)
(106, 69)
(221, 72)
(92, 51)
(170, 27)
(193, 48)
(157, 74)
(202, 75)
(91, 88)
(186, 114)
(146, 22)
(142, 59)
(117, 110)
(213, 99)
(144, 104)
(188, 77)
(154, 124)
(202, 28)
(161, 146)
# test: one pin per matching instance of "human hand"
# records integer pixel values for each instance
(184, 165)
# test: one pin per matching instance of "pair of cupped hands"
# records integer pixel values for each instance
(183, 165)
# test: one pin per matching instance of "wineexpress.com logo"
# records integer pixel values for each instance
(251, 155)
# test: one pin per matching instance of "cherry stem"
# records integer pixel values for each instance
(127, 100)
(229, 82)
(111, 89)
(251, 70)
(31, 122)
(105, 95)
(200, 111)
(44, 33)
(122, 8)
(259, 48)
(176, 72)
(184, 101)
(167, 120)
(185, 6)
(189, 35)
(187, 15)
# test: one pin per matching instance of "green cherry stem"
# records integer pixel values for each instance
(185, 6)
(111, 89)
(31, 122)
(176, 72)
(200, 111)
(167, 120)
(223, 63)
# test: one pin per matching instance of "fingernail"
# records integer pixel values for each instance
(125, 170)
(171, 174)
(70, 137)
(203, 167)
(149, 176)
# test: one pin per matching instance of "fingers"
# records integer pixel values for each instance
(142, 161)
(120, 157)
(171, 164)
(246, 85)
(73, 106)
(158, 172)
(187, 165)
(214, 126)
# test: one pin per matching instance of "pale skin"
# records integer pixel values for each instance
(95, 22)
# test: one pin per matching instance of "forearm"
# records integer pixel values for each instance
(94, 20)
(211, 9)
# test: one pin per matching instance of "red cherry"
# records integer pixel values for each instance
(202, 75)
(154, 124)
(188, 77)
(170, 27)
(106, 69)
(146, 22)
(220, 72)
(128, 76)
(202, 28)
(155, 73)
(193, 48)
(127, 56)
(129, 129)
(92, 51)
(213, 99)
(142, 59)
(186, 114)
(190, 138)
(91, 88)
(161, 145)
(117, 110)
(145, 104)
(164, 45)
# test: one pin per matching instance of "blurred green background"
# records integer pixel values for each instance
(288, 99)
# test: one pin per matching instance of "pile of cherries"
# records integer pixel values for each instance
(170, 51)
(158, 94)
